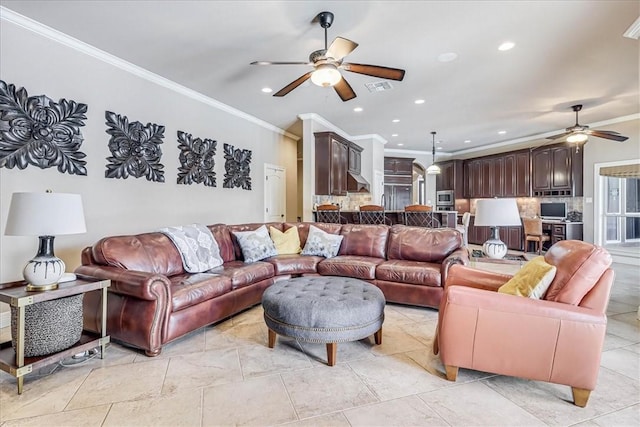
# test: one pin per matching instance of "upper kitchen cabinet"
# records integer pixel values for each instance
(451, 178)
(398, 166)
(557, 171)
(501, 175)
(338, 165)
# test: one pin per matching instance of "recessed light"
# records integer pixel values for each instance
(357, 109)
(447, 57)
(439, 148)
(395, 120)
(506, 46)
(394, 134)
(502, 132)
(466, 141)
(419, 101)
(267, 90)
(400, 144)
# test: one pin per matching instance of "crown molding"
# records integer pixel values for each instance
(330, 126)
(36, 27)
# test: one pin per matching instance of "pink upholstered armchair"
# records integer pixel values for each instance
(556, 339)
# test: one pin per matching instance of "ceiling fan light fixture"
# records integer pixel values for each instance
(326, 75)
(577, 137)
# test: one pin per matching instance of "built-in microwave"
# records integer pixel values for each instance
(445, 198)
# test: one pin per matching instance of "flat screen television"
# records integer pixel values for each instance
(553, 210)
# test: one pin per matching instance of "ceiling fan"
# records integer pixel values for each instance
(328, 61)
(580, 133)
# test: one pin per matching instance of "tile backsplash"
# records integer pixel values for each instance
(350, 202)
(530, 206)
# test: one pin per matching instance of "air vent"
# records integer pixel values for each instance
(378, 86)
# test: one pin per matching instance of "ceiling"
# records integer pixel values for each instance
(566, 52)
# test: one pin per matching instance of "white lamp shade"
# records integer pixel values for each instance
(45, 214)
(433, 169)
(497, 212)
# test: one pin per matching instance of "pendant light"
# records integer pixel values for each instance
(433, 169)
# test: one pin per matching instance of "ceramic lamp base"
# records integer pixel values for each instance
(494, 248)
(43, 272)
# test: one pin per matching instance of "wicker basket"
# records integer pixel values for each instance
(49, 326)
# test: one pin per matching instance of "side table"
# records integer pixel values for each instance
(16, 295)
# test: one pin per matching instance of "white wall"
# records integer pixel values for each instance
(598, 150)
(117, 206)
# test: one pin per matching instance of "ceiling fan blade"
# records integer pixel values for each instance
(294, 84)
(560, 135)
(375, 71)
(607, 135)
(344, 90)
(341, 47)
(281, 63)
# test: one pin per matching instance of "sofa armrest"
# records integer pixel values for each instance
(458, 257)
(462, 275)
(138, 284)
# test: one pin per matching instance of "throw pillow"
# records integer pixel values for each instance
(255, 245)
(321, 243)
(198, 249)
(287, 242)
(532, 280)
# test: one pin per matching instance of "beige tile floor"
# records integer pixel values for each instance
(226, 375)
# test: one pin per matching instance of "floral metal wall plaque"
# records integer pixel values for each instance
(135, 149)
(196, 160)
(237, 167)
(35, 130)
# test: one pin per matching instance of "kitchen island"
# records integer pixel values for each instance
(447, 218)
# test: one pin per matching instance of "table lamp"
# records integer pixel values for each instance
(496, 213)
(44, 215)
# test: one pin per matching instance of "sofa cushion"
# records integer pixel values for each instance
(422, 244)
(191, 289)
(222, 234)
(580, 265)
(243, 274)
(256, 244)
(411, 272)
(364, 240)
(531, 281)
(359, 267)
(320, 243)
(303, 229)
(149, 252)
(287, 242)
(294, 264)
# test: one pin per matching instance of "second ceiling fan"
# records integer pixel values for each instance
(328, 62)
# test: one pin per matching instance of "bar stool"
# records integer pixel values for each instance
(420, 216)
(373, 214)
(328, 213)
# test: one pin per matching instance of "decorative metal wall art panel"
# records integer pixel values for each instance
(196, 160)
(135, 149)
(38, 131)
(237, 167)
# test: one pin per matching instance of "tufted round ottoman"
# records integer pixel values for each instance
(325, 309)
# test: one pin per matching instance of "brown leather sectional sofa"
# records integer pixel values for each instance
(153, 301)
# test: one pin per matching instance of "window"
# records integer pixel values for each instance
(622, 210)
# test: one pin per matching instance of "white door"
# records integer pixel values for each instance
(274, 193)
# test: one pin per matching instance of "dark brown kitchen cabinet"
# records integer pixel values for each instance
(398, 166)
(502, 175)
(355, 158)
(511, 236)
(451, 178)
(556, 171)
(332, 156)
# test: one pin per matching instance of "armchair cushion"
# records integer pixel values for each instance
(288, 242)
(530, 281)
